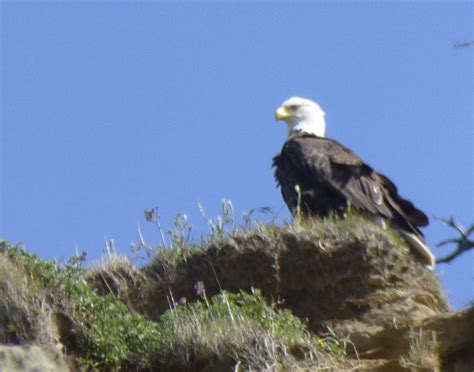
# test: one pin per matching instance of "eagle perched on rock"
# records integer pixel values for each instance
(320, 177)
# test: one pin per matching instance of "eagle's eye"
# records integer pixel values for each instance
(293, 107)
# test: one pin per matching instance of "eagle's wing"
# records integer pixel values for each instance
(326, 161)
(402, 205)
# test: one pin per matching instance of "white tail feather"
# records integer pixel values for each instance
(420, 248)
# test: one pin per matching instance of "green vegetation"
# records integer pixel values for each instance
(237, 327)
(102, 330)
(103, 333)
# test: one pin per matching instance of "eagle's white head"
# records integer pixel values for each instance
(301, 114)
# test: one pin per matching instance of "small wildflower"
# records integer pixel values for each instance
(151, 215)
(182, 301)
(199, 288)
(83, 256)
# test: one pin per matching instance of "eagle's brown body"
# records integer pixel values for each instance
(330, 177)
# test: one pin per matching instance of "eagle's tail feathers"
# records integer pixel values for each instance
(420, 248)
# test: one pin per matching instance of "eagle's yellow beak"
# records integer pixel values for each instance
(282, 114)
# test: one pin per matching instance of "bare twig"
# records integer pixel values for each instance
(463, 243)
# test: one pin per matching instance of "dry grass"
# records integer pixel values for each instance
(26, 312)
(117, 276)
(423, 351)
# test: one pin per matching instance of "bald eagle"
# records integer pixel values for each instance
(320, 177)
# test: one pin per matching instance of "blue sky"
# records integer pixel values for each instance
(111, 108)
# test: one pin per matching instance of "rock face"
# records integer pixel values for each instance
(15, 358)
(455, 336)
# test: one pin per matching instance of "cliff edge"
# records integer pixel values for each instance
(325, 295)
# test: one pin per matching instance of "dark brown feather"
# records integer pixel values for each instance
(330, 177)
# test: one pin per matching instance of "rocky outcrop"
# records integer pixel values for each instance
(346, 278)
(361, 283)
(26, 358)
